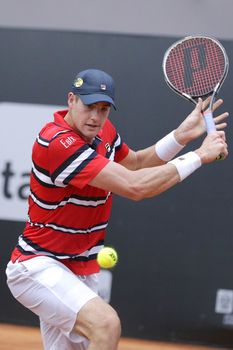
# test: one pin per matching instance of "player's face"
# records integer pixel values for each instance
(87, 120)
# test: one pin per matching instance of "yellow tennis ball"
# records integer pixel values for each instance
(107, 258)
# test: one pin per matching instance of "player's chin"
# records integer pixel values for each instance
(90, 133)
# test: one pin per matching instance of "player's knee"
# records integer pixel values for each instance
(108, 329)
(98, 322)
(111, 324)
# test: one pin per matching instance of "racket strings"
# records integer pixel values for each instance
(195, 66)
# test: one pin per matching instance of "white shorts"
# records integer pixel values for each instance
(55, 294)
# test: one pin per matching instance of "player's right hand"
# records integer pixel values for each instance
(213, 145)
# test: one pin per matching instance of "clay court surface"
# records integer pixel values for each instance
(14, 337)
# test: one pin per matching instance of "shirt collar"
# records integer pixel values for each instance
(59, 119)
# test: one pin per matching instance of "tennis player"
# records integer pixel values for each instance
(78, 160)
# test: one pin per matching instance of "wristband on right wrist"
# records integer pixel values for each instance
(167, 148)
(186, 164)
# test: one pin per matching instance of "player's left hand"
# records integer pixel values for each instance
(194, 125)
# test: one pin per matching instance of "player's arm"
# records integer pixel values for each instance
(137, 184)
(149, 182)
(142, 159)
(168, 147)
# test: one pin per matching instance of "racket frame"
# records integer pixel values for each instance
(214, 91)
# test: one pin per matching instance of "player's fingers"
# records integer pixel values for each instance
(221, 117)
(221, 126)
(224, 150)
(223, 147)
(199, 106)
(221, 134)
(206, 102)
(220, 122)
(217, 104)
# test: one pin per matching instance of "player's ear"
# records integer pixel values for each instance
(72, 98)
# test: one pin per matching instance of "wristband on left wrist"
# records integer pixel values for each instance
(167, 148)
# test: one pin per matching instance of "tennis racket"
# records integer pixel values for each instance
(196, 66)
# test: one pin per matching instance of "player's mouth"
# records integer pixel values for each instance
(92, 126)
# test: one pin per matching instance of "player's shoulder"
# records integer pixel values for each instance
(53, 136)
(51, 130)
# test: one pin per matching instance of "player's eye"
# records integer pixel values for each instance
(90, 107)
(105, 109)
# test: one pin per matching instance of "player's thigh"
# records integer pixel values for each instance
(97, 316)
(50, 290)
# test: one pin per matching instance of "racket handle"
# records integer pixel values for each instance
(209, 121)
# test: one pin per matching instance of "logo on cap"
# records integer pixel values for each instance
(103, 87)
(78, 82)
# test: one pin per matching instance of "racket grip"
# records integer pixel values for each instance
(209, 121)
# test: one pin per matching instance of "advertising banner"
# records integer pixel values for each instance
(20, 124)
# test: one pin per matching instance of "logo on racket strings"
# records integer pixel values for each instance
(194, 61)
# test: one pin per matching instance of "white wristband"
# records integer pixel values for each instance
(168, 147)
(186, 164)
